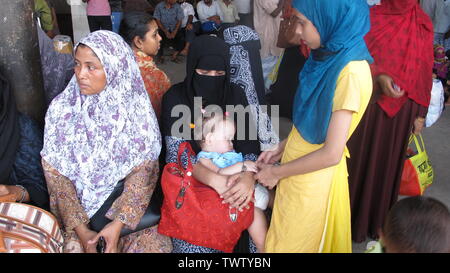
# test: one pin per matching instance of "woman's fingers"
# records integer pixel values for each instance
(235, 199)
(232, 180)
(246, 202)
(94, 240)
(263, 157)
(229, 193)
(110, 247)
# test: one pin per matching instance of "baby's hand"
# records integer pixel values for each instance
(251, 166)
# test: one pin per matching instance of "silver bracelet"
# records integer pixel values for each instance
(244, 168)
(23, 193)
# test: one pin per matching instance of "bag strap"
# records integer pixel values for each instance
(2, 243)
(185, 146)
(420, 149)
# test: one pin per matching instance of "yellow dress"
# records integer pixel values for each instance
(312, 211)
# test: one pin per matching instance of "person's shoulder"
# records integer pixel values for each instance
(174, 94)
(160, 5)
(356, 67)
(177, 6)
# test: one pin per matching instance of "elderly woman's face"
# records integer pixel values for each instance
(89, 71)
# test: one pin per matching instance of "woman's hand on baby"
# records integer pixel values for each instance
(266, 175)
(273, 154)
(250, 166)
(241, 192)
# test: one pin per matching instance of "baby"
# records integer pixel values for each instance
(215, 135)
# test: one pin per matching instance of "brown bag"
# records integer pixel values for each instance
(287, 35)
(25, 229)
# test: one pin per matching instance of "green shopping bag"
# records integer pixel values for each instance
(417, 171)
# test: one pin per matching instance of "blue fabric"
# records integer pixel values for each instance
(222, 160)
(27, 169)
(210, 26)
(342, 25)
(116, 18)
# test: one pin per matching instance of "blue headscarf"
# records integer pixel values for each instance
(342, 25)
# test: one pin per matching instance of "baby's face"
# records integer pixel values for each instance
(222, 138)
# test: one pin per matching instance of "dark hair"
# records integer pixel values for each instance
(418, 225)
(134, 24)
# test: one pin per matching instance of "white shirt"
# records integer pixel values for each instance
(204, 11)
(243, 6)
(267, 26)
(188, 9)
(439, 12)
(230, 14)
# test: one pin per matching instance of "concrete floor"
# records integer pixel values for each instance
(436, 137)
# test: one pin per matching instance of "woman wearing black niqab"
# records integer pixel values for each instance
(209, 54)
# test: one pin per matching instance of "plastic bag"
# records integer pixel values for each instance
(436, 103)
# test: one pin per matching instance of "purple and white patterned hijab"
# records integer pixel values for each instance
(97, 140)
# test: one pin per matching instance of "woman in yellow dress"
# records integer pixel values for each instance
(312, 209)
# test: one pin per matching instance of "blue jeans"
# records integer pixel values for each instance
(116, 18)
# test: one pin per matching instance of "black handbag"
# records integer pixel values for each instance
(150, 218)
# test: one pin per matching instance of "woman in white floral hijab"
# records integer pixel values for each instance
(100, 130)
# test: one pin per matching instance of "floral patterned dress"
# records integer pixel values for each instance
(155, 80)
(128, 209)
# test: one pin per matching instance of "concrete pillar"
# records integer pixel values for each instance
(20, 57)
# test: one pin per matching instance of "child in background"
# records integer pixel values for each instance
(440, 66)
(215, 134)
(417, 224)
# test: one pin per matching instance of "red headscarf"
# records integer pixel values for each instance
(401, 43)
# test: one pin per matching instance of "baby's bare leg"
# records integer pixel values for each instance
(258, 229)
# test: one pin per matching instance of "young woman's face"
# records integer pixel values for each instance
(91, 76)
(151, 42)
(307, 31)
(210, 72)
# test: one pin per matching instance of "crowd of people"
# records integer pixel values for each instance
(358, 77)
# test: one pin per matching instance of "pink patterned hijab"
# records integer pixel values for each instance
(96, 140)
